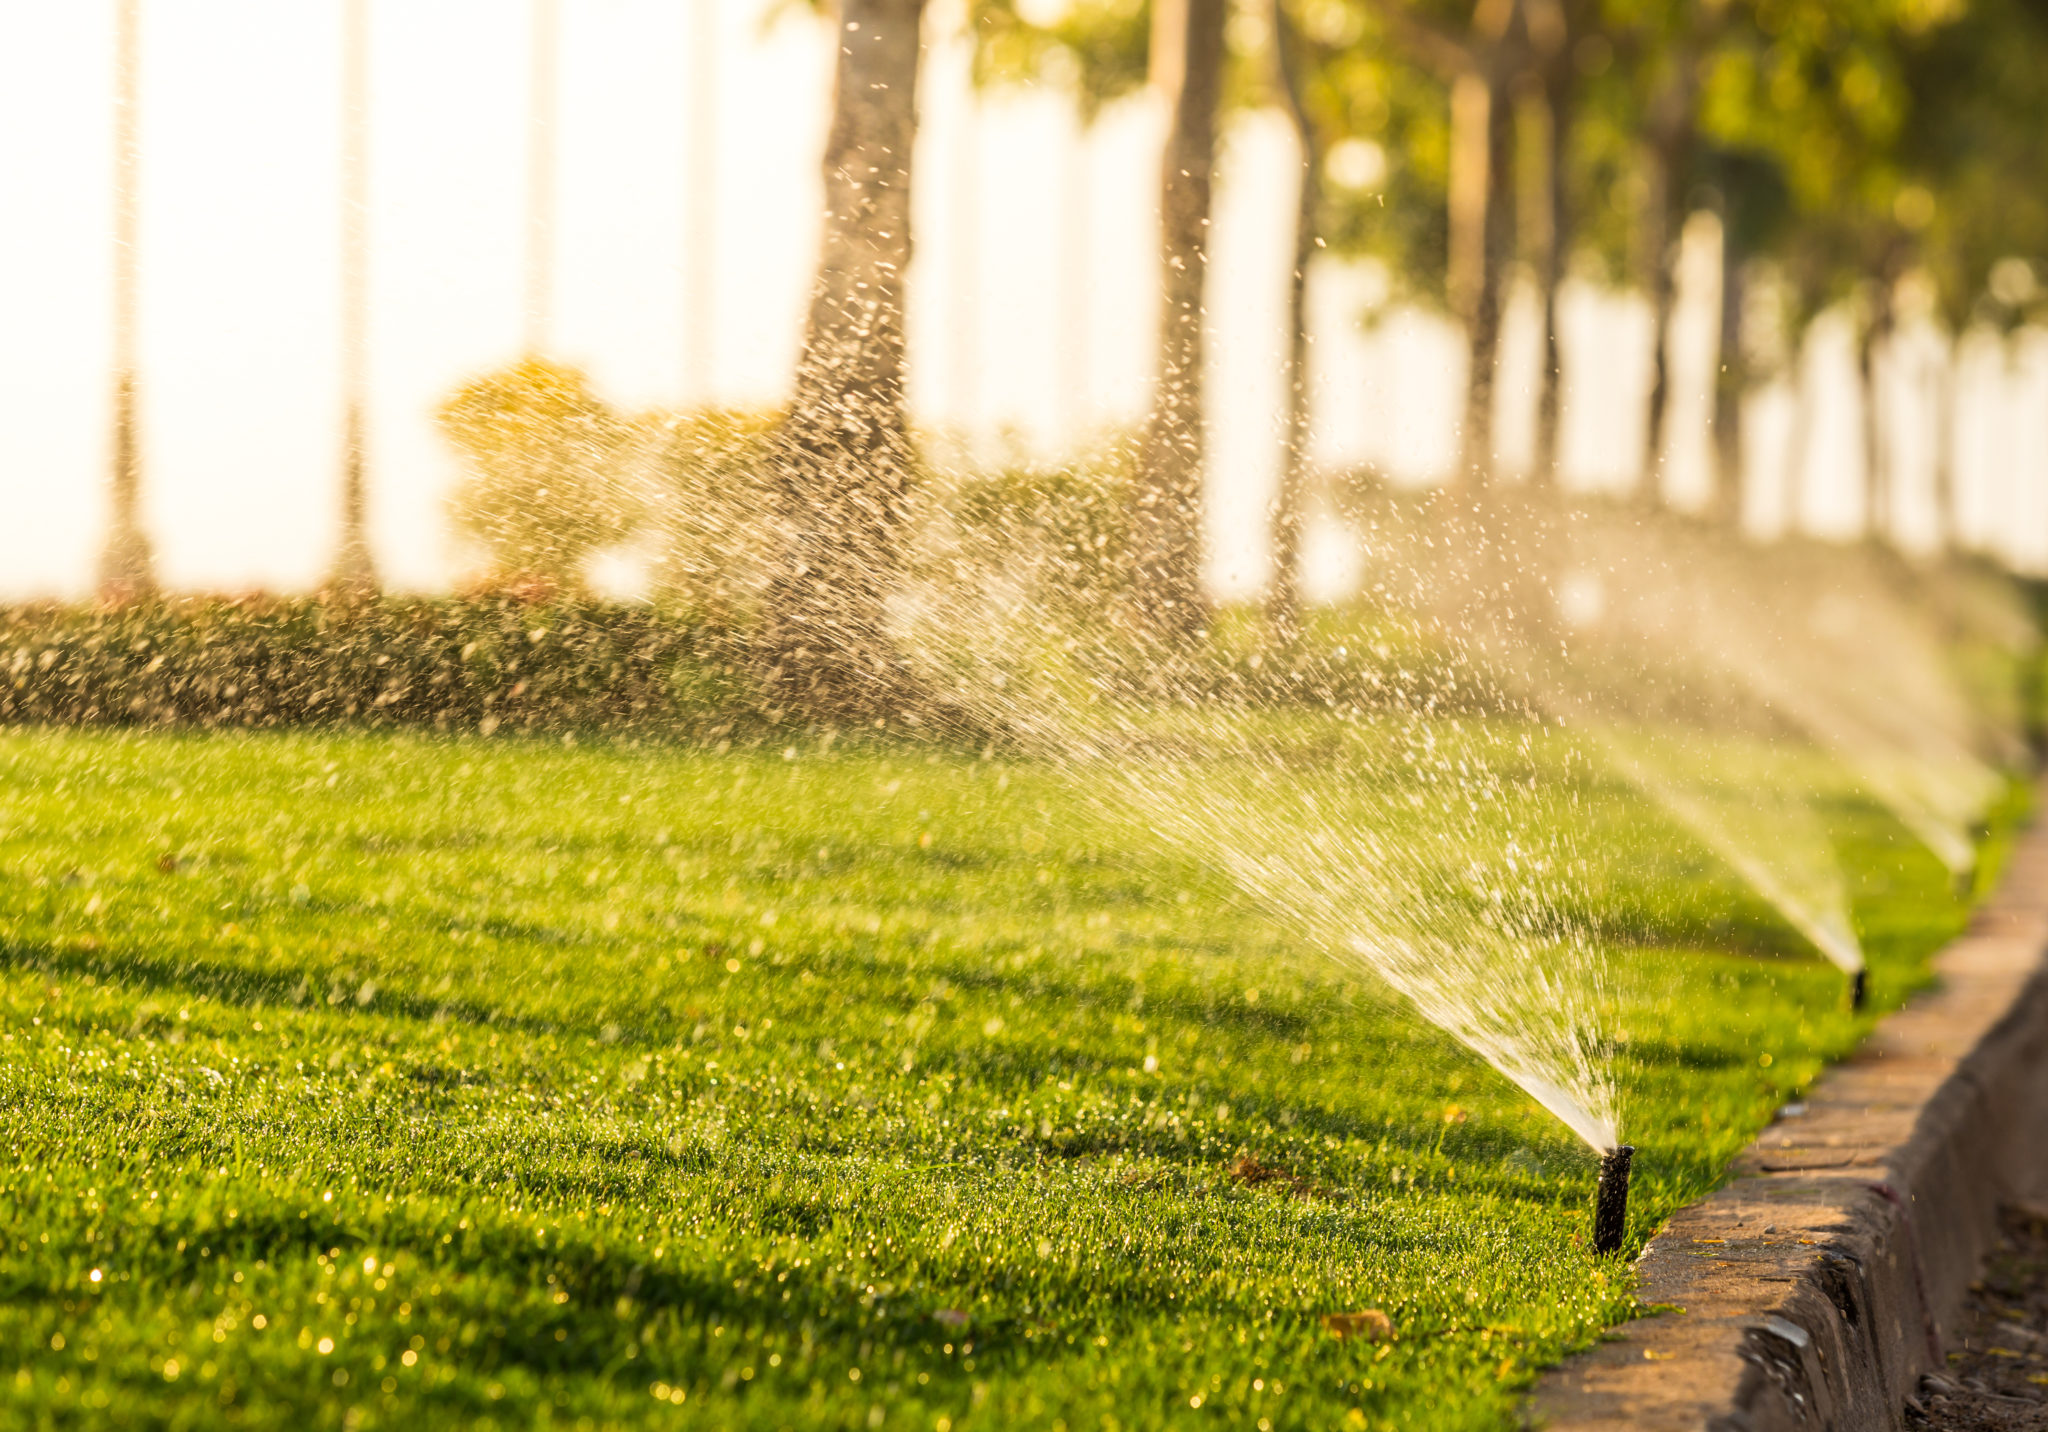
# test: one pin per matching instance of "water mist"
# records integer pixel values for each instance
(1403, 814)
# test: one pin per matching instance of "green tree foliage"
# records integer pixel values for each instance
(1843, 144)
(1385, 124)
(1976, 193)
(1101, 49)
(1845, 140)
(1067, 527)
(704, 480)
(542, 492)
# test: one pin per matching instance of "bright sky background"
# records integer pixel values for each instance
(1044, 335)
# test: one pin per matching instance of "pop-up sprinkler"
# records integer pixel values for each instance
(1610, 1204)
(1859, 991)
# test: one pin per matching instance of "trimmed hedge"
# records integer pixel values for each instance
(519, 663)
(477, 662)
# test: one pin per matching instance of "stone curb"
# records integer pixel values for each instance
(1815, 1288)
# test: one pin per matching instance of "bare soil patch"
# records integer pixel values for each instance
(1997, 1374)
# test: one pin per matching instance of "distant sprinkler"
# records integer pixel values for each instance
(1859, 991)
(1610, 1203)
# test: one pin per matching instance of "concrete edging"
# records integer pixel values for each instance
(1814, 1289)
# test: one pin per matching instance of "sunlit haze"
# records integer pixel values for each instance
(1031, 299)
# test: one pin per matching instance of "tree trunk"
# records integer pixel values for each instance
(1654, 263)
(126, 563)
(1482, 236)
(1731, 381)
(355, 570)
(1284, 598)
(1471, 111)
(842, 459)
(1878, 476)
(1165, 597)
(1942, 400)
(1798, 439)
(1667, 152)
(1551, 257)
(355, 573)
(127, 568)
(1475, 109)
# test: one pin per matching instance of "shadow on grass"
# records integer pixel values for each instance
(232, 984)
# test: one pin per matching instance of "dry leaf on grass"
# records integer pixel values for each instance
(1371, 1324)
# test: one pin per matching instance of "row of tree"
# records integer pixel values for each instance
(1842, 144)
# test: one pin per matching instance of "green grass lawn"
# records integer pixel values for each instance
(390, 1081)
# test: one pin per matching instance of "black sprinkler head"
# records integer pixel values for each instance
(1610, 1204)
(1859, 990)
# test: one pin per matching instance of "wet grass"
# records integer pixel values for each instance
(384, 1081)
